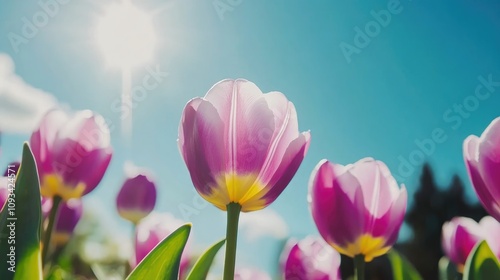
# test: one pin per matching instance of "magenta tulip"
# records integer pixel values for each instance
(71, 152)
(4, 190)
(70, 213)
(240, 145)
(310, 258)
(358, 208)
(482, 159)
(251, 274)
(461, 234)
(46, 207)
(12, 168)
(137, 196)
(153, 229)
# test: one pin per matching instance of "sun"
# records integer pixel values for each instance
(125, 35)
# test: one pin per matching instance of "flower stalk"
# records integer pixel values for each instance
(233, 215)
(50, 227)
(359, 267)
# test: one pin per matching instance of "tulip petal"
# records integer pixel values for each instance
(86, 128)
(282, 176)
(486, 195)
(489, 158)
(41, 141)
(201, 144)
(379, 188)
(459, 236)
(235, 101)
(312, 259)
(284, 133)
(77, 165)
(390, 223)
(337, 204)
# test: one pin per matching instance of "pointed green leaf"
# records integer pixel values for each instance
(481, 263)
(402, 268)
(203, 264)
(447, 270)
(164, 260)
(20, 221)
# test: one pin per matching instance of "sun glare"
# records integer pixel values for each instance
(125, 35)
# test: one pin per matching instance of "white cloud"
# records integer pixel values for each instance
(263, 223)
(21, 105)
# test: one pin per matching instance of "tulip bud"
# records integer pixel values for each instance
(137, 196)
(70, 213)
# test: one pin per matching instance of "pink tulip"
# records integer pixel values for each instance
(137, 197)
(12, 168)
(46, 207)
(240, 145)
(461, 234)
(4, 190)
(70, 213)
(71, 152)
(8, 181)
(312, 259)
(482, 159)
(251, 274)
(358, 208)
(153, 229)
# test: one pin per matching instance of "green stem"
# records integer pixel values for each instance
(128, 268)
(48, 232)
(233, 215)
(359, 267)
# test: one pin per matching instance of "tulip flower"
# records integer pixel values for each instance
(4, 190)
(482, 159)
(153, 229)
(12, 168)
(358, 208)
(46, 204)
(137, 196)
(70, 213)
(312, 259)
(461, 234)
(241, 148)
(7, 182)
(72, 153)
(251, 274)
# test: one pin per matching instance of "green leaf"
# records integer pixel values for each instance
(447, 270)
(481, 263)
(20, 223)
(402, 268)
(202, 265)
(164, 260)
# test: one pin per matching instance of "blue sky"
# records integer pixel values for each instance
(399, 88)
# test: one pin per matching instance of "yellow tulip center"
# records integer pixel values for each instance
(53, 185)
(366, 245)
(245, 190)
(134, 216)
